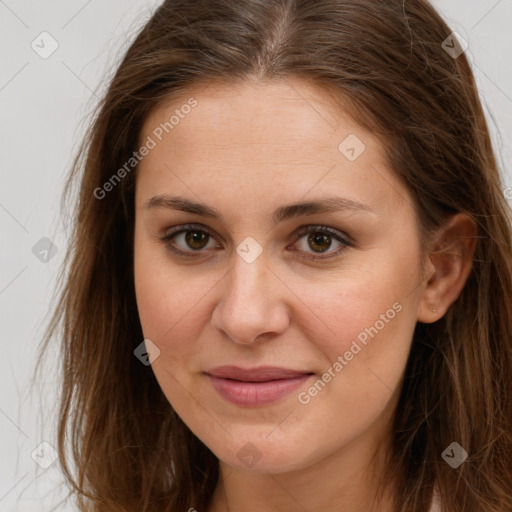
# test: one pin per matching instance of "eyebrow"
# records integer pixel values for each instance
(323, 205)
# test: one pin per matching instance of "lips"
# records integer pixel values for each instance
(255, 387)
(260, 374)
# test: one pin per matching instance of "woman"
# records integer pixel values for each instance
(289, 282)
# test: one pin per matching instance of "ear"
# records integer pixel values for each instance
(448, 266)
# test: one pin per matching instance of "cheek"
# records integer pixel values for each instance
(362, 321)
(371, 302)
(168, 303)
(158, 293)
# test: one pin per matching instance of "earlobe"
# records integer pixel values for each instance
(449, 264)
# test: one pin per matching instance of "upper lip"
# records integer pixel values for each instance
(259, 374)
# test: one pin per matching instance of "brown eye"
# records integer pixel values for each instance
(319, 242)
(189, 240)
(196, 239)
(313, 241)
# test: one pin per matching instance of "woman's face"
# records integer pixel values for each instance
(249, 287)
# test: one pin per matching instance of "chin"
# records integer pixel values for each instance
(260, 454)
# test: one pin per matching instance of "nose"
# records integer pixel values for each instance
(252, 305)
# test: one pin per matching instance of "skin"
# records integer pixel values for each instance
(246, 150)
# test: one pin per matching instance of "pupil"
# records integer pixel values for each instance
(318, 239)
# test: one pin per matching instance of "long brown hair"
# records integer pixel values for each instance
(121, 446)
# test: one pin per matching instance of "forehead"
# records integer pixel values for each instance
(282, 116)
(274, 138)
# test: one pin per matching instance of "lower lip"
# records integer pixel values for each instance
(256, 394)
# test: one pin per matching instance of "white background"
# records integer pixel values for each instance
(44, 104)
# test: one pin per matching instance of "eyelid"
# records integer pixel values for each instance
(187, 227)
(315, 228)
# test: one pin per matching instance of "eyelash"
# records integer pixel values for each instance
(299, 234)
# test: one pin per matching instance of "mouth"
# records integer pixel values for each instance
(256, 387)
